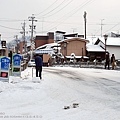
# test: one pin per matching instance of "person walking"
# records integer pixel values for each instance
(113, 61)
(39, 64)
(107, 62)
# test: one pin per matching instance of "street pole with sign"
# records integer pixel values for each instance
(16, 65)
(4, 68)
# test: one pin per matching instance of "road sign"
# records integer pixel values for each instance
(4, 68)
(16, 65)
(5, 63)
(16, 60)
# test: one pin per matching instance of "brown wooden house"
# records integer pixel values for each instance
(74, 45)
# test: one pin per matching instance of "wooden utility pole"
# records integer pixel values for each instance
(16, 39)
(24, 38)
(32, 27)
(85, 22)
(101, 27)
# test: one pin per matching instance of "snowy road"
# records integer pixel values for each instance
(91, 88)
(97, 92)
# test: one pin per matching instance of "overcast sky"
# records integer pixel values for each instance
(65, 15)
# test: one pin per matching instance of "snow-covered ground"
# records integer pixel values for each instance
(95, 91)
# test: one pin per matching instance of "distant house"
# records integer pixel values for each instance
(46, 51)
(60, 35)
(95, 52)
(112, 45)
(74, 45)
(44, 39)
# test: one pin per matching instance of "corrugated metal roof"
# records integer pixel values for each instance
(43, 51)
(94, 48)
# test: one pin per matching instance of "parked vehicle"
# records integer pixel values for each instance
(31, 63)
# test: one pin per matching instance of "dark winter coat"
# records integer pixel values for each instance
(112, 58)
(38, 61)
(107, 58)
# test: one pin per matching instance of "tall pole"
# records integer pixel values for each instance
(32, 27)
(16, 39)
(101, 26)
(23, 27)
(85, 22)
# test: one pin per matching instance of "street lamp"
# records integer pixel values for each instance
(105, 37)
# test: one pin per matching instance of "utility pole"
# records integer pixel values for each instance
(32, 27)
(24, 38)
(101, 26)
(85, 22)
(16, 39)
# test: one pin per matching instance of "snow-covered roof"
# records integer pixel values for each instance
(44, 51)
(73, 38)
(94, 48)
(92, 39)
(48, 45)
(76, 57)
(114, 41)
(111, 41)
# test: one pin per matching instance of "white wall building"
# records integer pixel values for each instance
(112, 44)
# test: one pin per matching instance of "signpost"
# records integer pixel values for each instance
(4, 67)
(16, 65)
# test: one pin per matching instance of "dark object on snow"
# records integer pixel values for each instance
(75, 105)
(66, 107)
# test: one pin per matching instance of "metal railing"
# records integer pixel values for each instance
(100, 65)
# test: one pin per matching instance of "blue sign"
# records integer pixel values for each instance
(17, 60)
(5, 62)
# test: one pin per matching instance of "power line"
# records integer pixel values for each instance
(59, 9)
(47, 8)
(112, 27)
(75, 10)
(9, 27)
(54, 8)
(10, 20)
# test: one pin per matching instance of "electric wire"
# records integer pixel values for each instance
(112, 27)
(54, 8)
(46, 8)
(63, 18)
(58, 10)
(10, 20)
(74, 12)
(9, 27)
